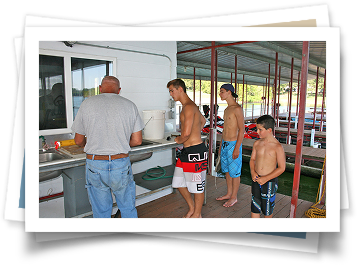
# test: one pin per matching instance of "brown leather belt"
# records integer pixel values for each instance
(106, 157)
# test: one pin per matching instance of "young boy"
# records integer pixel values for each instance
(267, 162)
(231, 144)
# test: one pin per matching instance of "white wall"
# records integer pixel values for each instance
(143, 77)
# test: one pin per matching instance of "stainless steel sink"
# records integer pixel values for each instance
(139, 157)
(147, 142)
(50, 155)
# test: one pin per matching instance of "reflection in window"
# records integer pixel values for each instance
(51, 93)
(87, 75)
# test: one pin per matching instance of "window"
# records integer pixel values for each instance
(65, 80)
(87, 75)
(52, 97)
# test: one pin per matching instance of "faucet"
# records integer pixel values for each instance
(45, 146)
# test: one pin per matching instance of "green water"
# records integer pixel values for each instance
(307, 190)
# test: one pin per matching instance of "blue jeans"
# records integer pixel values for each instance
(102, 177)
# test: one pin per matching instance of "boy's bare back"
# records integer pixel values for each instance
(192, 122)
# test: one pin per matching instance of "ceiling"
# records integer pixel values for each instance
(253, 61)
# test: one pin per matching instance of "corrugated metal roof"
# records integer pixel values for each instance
(253, 60)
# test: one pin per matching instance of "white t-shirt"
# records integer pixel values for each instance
(107, 120)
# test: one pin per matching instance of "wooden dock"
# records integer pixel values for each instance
(283, 116)
(174, 206)
(281, 132)
(307, 125)
(308, 153)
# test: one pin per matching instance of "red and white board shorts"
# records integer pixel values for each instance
(191, 167)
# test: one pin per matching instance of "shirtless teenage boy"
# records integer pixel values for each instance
(267, 162)
(190, 170)
(231, 144)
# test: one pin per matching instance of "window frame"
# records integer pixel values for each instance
(68, 83)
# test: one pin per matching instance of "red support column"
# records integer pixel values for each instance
(275, 84)
(243, 94)
(213, 63)
(290, 99)
(194, 84)
(200, 93)
(268, 90)
(235, 76)
(215, 91)
(300, 133)
(246, 98)
(278, 98)
(265, 96)
(298, 93)
(323, 105)
(262, 105)
(317, 84)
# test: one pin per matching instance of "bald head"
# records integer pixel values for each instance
(110, 84)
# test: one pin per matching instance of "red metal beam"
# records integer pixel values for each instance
(301, 125)
(268, 90)
(290, 99)
(323, 105)
(213, 58)
(298, 93)
(243, 94)
(215, 93)
(235, 76)
(278, 97)
(246, 98)
(317, 84)
(200, 92)
(265, 95)
(275, 83)
(194, 84)
(216, 46)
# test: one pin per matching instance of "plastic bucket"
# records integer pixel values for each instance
(154, 121)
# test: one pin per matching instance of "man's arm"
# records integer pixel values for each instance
(280, 157)
(136, 138)
(240, 122)
(80, 139)
(186, 124)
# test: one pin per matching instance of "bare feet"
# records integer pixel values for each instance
(194, 216)
(224, 197)
(230, 202)
(189, 214)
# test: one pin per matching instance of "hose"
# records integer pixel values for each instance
(154, 172)
(315, 212)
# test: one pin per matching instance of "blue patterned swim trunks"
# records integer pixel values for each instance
(263, 197)
(228, 164)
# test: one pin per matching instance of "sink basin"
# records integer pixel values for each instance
(50, 155)
(44, 176)
(147, 142)
(139, 157)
